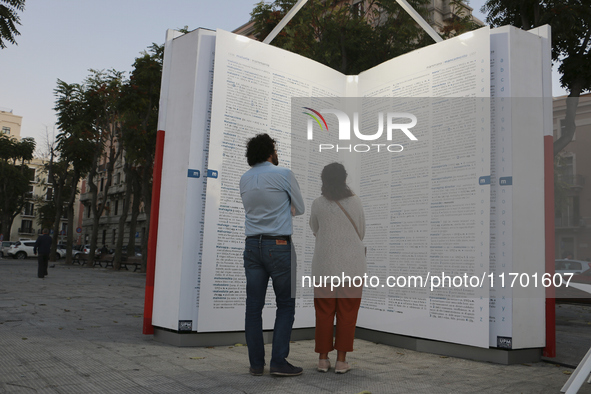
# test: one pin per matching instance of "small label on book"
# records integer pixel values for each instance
(505, 342)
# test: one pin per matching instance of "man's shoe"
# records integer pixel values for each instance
(286, 370)
(258, 371)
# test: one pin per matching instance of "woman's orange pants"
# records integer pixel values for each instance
(342, 302)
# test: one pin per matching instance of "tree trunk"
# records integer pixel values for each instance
(147, 196)
(58, 186)
(70, 213)
(135, 211)
(123, 218)
(572, 102)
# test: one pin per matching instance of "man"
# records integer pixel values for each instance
(270, 195)
(43, 246)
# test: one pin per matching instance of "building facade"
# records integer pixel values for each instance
(109, 220)
(573, 167)
(10, 124)
(26, 224)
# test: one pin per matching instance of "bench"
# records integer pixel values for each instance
(80, 259)
(136, 261)
(107, 259)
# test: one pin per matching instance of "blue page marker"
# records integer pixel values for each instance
(212, 174)
(194, 173)
(484, 180)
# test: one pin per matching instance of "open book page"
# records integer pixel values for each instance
(252, 91)
(427, 207)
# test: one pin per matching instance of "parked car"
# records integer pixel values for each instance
(583, 277)
(567, 266)
(22, 249)
(138, 250)
(5, 246)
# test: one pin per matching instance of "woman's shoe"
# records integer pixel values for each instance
(323, 365)
(341, 367)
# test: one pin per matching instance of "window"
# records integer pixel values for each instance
(49, 194)
(102, 184)
(29, 209)
(26, 226)
(5, 130)
(118, 178)
(114, 241)
(116, 207)
(88, 211)
(31, 173)
(64, 230)
(104, 237)
(358, 8)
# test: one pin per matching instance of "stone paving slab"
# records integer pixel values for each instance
(79, 331)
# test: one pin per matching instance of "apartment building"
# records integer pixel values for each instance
(109, 220)
(26, 224)
(573, 216)
(10, 124)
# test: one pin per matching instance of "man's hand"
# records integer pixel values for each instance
(293, 211)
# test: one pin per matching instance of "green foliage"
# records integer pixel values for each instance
(571, 31)
(348, 38)
(571, 43)
(9, 19)
(139, 106)
(14, 177)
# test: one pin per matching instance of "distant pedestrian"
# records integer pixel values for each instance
(43, 246)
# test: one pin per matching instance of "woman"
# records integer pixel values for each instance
(338, 222)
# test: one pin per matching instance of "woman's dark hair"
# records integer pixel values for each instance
(259, 148)
(334, 185)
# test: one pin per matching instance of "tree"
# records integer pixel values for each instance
(140, 99)
(75, 144)
(15, 177)
(103, 95)
(571, 44)
(9, 19)
(347, 37)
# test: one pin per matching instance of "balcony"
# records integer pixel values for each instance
(568, 221)
(116, 189)
(26, 230)
(573, 181)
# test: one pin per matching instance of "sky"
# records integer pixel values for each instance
(63, 39)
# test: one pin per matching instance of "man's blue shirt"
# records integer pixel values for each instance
(268, 192)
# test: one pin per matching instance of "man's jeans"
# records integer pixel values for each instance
(263, 258)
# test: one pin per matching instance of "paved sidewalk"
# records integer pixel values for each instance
(79, 331)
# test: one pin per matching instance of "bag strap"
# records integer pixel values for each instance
(349, 217)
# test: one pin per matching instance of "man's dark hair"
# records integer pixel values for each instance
(45, 231)
(259, 148)
(334, 182)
